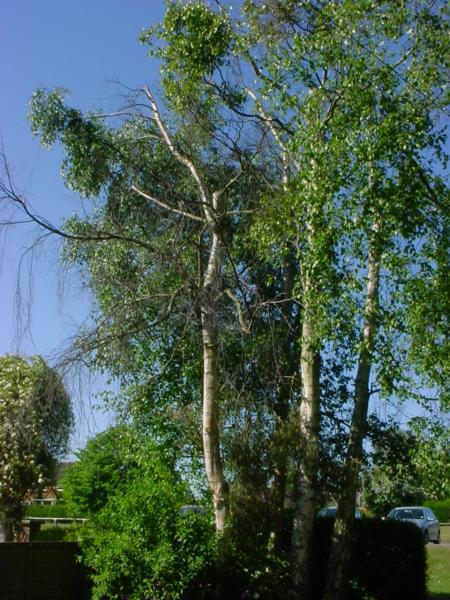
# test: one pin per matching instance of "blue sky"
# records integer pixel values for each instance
(84, 46)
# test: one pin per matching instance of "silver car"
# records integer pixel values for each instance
(421, 516)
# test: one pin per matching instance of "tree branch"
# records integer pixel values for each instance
(8, 193)
(166, 206)
(182, 158)
(242, 322)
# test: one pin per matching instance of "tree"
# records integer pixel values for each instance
(356, 189)
(346, 93)
(100, 469)
(407, 466)
(340, 104)
(35, 423)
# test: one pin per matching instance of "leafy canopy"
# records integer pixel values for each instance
(35, 423)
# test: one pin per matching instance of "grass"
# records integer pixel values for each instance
(439, 568)
(445, 534)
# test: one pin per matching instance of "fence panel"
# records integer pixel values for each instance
(41, 571)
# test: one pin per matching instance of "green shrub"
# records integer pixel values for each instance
(47, 510)
(140, 546)
(137, 545)
(53, 534)
(441, 509)
(388, 563)
(102, 466)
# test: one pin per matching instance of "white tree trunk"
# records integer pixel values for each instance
(305, 508)
(211, 436)
(340, 553)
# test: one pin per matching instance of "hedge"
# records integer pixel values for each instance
(441, 509)
(47, 510)
(388, 560)
(53, 534)
(388, 563)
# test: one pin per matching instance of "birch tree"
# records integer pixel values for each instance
(98, 160)
(352, 106)
(340, 105)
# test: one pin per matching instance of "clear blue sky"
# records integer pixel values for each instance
(84, 46)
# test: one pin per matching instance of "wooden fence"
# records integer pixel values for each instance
(41, 571)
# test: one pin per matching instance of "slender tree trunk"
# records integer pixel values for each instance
(339, 563)
(213, 211)
(6, 529)
(305, 506)
(211, 437)
(282, 407)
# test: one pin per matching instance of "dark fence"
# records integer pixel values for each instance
(41, 571)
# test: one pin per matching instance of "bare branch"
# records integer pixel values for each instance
(242, 322)
(276, 134)
(8, 193)
(166, 206)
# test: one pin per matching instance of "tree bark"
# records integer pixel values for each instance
(282, 406)
(305, 506)
(339, 563)
(6, 529)
(211, 437)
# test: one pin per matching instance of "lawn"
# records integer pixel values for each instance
(445, 534)
(439, 568)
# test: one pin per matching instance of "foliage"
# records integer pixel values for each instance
(392, 479)
(47, 510)
(57, 533)
(389, 562)
(441, 509)
(407, 466)
(333, 113)
(35, 422)
(196, 39)
(432, 457)
(136, 542)
(102, 466)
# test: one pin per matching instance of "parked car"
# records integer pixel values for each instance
(330, 511)
(421, 516)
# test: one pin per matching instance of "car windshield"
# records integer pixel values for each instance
(408, 513)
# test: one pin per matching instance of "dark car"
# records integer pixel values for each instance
(421, 516)
(330, 511)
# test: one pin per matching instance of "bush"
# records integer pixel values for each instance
(47, 510)
(103, 466)
(53, 534)
(441, 509)
(137, 545)
(388, 560)
(389, 563)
